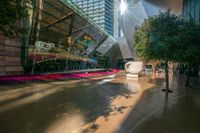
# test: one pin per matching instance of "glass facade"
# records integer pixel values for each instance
(101, 11)
(191, 9)
(63, 38)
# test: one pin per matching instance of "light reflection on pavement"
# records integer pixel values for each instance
(102, 105)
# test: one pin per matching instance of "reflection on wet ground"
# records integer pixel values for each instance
(104, 105)
(179, 116)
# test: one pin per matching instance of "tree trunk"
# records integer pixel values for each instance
(166, 76)
(188, 81)
(188, 77)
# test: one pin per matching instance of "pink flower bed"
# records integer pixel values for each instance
(45, 77)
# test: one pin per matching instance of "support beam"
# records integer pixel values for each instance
(58, 9)
(60, 19)
(43, 11)
(54, 7)
(71, 24)
(104, 39)
(80, 29)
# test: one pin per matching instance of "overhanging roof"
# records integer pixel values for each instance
(60, 18)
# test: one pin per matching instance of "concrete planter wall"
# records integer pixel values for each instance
(10, 61)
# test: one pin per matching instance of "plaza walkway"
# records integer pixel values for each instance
(106, 104)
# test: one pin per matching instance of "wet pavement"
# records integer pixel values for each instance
(107, 104)
(179, 116)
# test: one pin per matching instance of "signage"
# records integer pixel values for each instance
(43, 46)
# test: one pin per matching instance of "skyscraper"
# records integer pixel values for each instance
(191, 10)
(116, 16)
(101, 11)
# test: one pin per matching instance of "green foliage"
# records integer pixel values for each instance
(190, 43)
(166, 29)
(157, 37)
(11, 14)
(142, 39)
(167, 37)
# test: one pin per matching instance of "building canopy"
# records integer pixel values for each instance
(61, 30)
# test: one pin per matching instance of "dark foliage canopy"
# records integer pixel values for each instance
(168, 38)
(190, 43)
(157, 37)
(11, 14)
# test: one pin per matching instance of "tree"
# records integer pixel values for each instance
(190, 46)
(11, 14)
(156, 39)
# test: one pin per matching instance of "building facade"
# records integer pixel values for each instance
(191, 10)
(101, 11)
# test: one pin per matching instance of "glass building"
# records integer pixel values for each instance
(191, 10)
(64, 38)
(101, 11)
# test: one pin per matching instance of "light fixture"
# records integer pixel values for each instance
(69, 40)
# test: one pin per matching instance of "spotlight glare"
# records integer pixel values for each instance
(123, 7)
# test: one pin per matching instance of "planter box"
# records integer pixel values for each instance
(10, 60)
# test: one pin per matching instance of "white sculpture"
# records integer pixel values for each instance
(40, 45)
(134, 68)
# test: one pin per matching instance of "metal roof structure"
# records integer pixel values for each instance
(58, 19)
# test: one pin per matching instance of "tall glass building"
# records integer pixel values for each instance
(191, 10)
(101, 11)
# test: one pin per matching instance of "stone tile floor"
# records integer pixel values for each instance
(103, 105)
